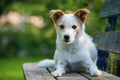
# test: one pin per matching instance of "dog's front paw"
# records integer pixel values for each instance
(96, 73)
(57, 73)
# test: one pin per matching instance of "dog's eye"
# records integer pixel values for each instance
(62, 26)
(74, 26)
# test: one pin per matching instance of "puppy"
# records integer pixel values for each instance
(74, 48)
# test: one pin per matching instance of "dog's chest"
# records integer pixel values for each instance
(71, 50)
(72, 54)
(69, 53)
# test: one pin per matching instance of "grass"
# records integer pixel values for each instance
(11, 69)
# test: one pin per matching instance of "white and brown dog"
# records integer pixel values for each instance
(74, 48)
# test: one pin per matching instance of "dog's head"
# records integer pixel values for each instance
(68, 25)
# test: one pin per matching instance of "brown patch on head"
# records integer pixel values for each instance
(82, 14)
(56, 14)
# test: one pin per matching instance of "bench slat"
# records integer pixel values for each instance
(108, 41)
(110, 8)
(105, 76)
(32, 72)
(69, 76)
(110, 76)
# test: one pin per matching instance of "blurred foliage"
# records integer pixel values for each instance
(27, 40)
(113, 62)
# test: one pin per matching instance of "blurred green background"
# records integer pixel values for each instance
(27, 33)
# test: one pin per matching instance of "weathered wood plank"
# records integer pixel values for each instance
(110, 76)
(69, 76)
(86, 76)
(108, 41)
(33, 72)
(72, 76)
(105, 76)
(93, 78)
(110, 8)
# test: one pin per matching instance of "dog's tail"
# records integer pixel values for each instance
(46, 63)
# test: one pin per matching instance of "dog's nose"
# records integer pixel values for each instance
(66, 37)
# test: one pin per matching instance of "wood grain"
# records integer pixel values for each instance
(69, 76)
(33, 72)
(108, 41)
(110, 8)
(105, 76)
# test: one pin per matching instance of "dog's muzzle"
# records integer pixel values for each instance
(66, 38)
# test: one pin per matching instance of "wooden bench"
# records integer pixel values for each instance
(109, 41)
(32, 72)
(106, 41)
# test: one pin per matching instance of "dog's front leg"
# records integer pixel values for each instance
(89, 64)
(60, 69)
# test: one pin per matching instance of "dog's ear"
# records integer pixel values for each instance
(56, 14)
(82, 14)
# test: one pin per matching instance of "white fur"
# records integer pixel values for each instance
(80, 50)
(46, 63)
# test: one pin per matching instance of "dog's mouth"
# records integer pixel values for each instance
(66, 41)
